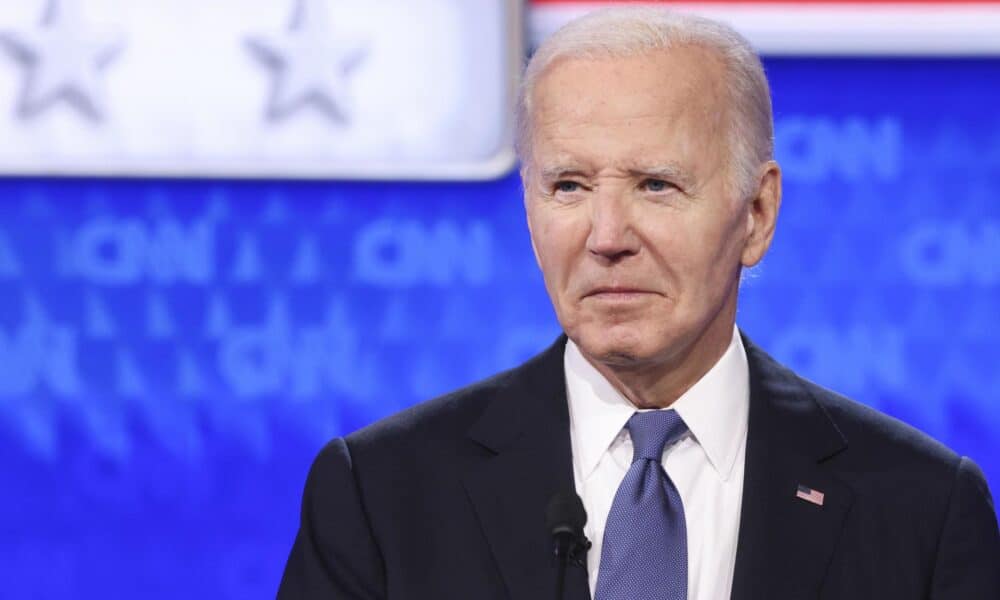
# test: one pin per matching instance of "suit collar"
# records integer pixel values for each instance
(525, 460)
(782, 399)
(785, 543)
(528, 400)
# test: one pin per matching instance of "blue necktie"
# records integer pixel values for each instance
(644, 556)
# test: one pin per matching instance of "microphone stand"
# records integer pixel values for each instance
(569, 547)
(565, 518)
(561, 581)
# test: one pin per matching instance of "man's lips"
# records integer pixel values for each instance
(616, 292)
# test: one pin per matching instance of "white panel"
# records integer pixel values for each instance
(832, 28)
(300, 88)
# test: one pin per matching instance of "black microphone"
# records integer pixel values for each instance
(565, 518)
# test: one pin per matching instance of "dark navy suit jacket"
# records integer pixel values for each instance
(447, 500)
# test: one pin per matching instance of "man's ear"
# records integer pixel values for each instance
(762, 214)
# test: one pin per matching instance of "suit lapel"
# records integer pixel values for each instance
(527, 458)
(785, 542)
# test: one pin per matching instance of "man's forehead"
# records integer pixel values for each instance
(668, 143)
(680, 67)
(643, 91)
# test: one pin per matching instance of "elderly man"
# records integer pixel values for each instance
(708, 470)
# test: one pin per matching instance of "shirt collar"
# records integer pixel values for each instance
(715, 408)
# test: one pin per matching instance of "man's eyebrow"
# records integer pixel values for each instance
(667, 172)
(561, 171)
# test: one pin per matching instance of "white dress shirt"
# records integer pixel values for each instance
(706, 464)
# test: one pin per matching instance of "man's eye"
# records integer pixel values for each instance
(657, 185)
(567, 186)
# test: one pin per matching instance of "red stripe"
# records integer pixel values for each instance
(800, 2)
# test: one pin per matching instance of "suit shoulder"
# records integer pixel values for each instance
(871, 435)
(440, 418)
(881, 438)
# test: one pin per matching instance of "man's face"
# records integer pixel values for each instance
(633, 216)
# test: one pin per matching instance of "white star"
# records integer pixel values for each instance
(62, 61)
(310, 64)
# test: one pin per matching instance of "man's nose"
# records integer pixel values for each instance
(612, 234)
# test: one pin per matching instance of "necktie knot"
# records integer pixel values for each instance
(652, 431)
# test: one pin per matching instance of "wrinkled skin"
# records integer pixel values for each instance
(635, 217)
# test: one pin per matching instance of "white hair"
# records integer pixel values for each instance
(629, 31)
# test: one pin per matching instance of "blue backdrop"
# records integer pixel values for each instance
(173, 353)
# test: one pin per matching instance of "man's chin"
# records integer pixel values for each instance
(615, 349)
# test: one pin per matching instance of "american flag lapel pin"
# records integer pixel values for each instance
(810, 495)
